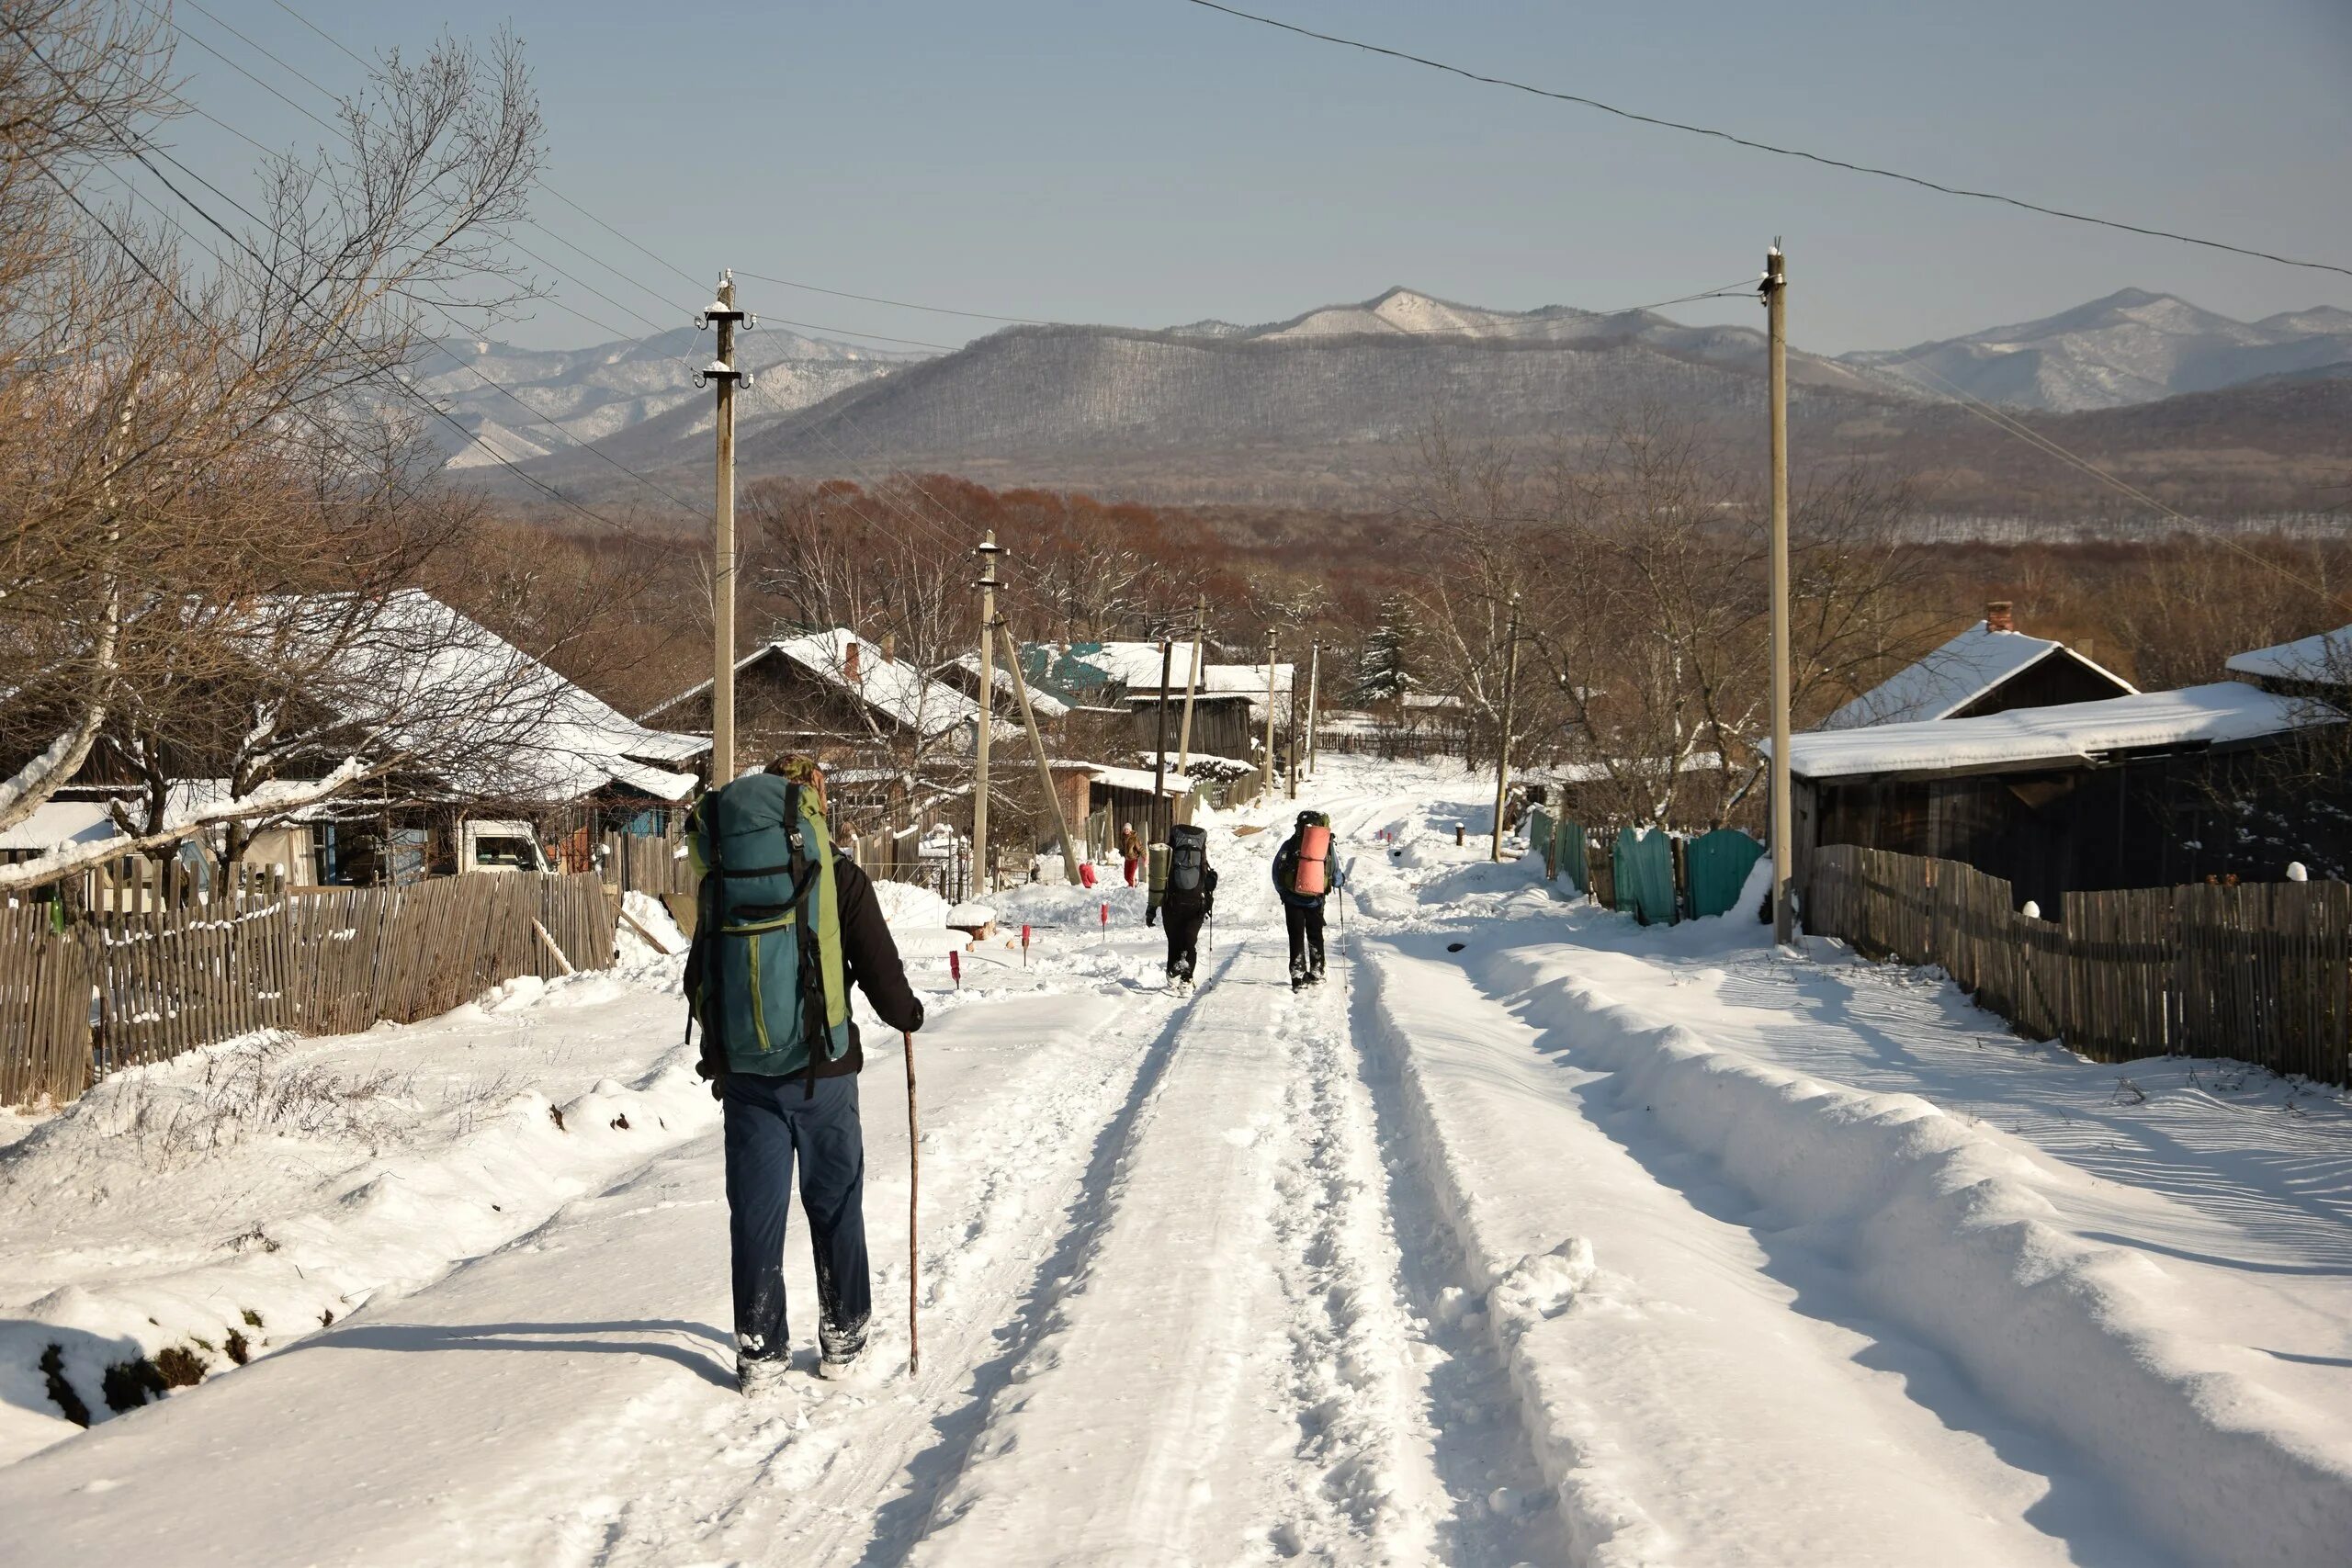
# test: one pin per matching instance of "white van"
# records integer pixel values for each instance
(494, 846)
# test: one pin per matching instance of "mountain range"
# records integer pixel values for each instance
(1315, 408)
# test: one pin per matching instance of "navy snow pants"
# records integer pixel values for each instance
(769, 1122)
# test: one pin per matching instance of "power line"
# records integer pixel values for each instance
(1757, 146)
(471, 369)
(2009, 424)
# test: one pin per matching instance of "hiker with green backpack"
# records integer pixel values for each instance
(782, 928)
(1305, 875)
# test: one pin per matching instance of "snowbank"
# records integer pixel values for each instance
(1943, 1231)
(200, 1213)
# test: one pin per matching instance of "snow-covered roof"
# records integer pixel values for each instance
(1141, 779)
(1951, 677)
(57, 823)
(553, 740)
(890, 686)
(2323, 658)
(2069, 732)
(1136, 665)
(1044, 705)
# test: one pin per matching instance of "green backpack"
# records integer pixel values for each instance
(765, 977)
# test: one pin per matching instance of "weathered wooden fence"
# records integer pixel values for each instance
(2260, 972)
(143, 985)
(637, 863)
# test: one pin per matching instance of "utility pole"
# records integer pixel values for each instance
(1775, 289)
(984, 865)
(1037, 750)
(721, 373)
(1269, 760)
(1314, 689)
(1502, 747)
(1290, 772)
(1192, 683)
(1159, 766)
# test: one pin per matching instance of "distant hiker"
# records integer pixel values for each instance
(1130, 850)
(1303, 875)
(1189, 898)
(783, 925)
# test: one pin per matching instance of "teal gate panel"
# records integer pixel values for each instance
(1644, 867)
(1718, 864)
(1568, 846)
(1539, 838)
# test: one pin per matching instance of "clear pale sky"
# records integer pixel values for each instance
(1150, 163)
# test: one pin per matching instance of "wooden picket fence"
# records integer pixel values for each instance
(637, 863)
(121, 988)
(2259, 971)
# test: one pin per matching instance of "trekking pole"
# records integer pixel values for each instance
(914, 1191)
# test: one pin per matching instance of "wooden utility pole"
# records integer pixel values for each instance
(1037, 750)
(1192, 683)
(1269, 760)
(1314, 689)
(721, 373)
(984, 865)
(1502, 746)
(1776, 306)
(1290, 770)
(1159, 764)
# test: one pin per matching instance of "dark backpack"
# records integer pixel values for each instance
(1188, 857)
(765, 976)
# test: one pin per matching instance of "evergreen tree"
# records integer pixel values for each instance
(1381, 674)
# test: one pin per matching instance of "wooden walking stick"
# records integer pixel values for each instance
(914, 1189)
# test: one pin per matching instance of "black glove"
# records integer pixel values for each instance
(712, 1064)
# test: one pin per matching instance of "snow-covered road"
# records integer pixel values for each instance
(1528, 1238)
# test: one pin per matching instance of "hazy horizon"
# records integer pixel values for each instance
(1157, 164)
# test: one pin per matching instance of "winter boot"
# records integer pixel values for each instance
(761, 1375)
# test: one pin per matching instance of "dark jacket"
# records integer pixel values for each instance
(1287, 856)
(870, 958)
(869, 961)
(1200, 899)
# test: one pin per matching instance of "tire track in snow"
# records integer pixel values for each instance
(798, 1480)
(1395, 1400)
(1139, 1426)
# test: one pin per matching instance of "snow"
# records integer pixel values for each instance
(2322, 656)
(428, 667)
(1950, 678)
(1531, 1236)
(1173, 784)
(2069, 732)
(1041, 705)
(57, 824)
(892, 686)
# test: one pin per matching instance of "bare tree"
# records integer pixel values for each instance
(210, 414)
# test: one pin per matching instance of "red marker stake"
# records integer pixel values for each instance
(956, 967)
(1106, 920)
(1024, 947)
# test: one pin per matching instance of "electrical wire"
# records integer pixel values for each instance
(2009, 424)
(1754, 145)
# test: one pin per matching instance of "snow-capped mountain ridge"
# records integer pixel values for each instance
(2133, 346)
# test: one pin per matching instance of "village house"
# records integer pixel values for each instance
(2319, 666)
(2148, 790)
(1989, 667)
(888, 733)
(441, 723)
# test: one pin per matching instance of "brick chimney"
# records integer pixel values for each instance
(849, 662)
(1997, 618)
